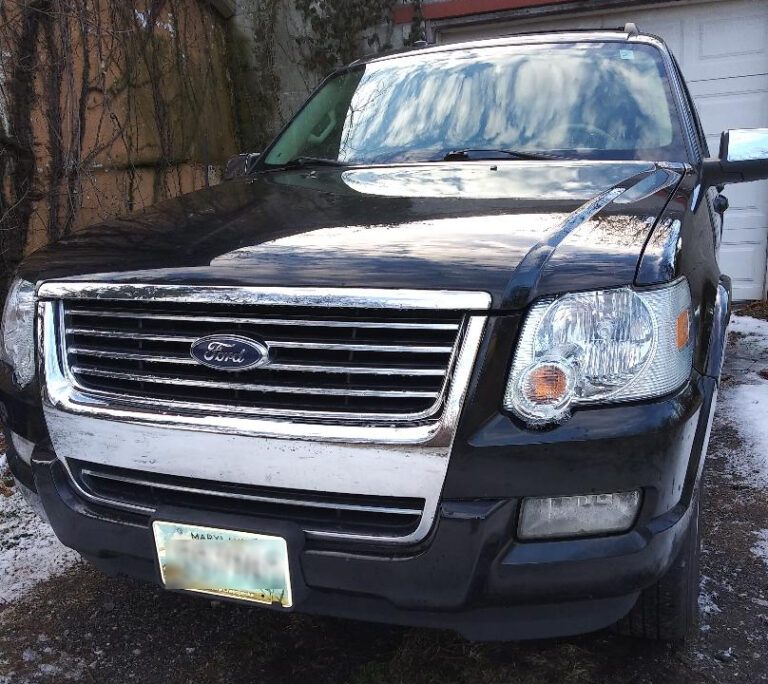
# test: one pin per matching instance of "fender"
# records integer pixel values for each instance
(718, 339)
(709, 382)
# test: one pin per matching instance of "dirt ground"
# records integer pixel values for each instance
(756, 309)
(85, 627)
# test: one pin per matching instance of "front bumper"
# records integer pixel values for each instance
(469, 577)
(470, 573)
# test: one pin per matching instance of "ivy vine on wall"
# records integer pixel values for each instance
(256, 85)
(418, 29)
(338, 28)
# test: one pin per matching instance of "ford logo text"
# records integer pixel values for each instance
(229, 352)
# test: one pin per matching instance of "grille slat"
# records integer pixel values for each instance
(119, 334)
(250, 387)
(285, 344)
(274, 499)
(132, 356)
(300, 367)
(318, 513)
(272, 321)
(391, 365)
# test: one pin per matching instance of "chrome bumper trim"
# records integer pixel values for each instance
(457, 300)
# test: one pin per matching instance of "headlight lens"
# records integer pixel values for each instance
(18, 336)
(592, 347)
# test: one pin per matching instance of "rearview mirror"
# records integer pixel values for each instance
(240, 165)
(743, 157)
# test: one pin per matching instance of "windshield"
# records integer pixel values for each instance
(580, 100)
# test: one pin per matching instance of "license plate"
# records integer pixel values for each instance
(208, 560)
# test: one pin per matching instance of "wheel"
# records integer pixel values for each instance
(669, 609)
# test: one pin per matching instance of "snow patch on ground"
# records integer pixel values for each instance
(29, 550)
(747, 325)
(760, 549)
(747, 408)
(745, 405)
(707, 605)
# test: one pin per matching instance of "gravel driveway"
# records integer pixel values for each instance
(60, 620)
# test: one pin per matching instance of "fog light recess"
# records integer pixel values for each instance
(578, 516)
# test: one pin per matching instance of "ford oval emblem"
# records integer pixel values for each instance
(229, 352)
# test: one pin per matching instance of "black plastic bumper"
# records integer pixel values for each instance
(470, 577)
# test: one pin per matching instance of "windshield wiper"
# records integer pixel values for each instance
(470, 154)
(313, 161)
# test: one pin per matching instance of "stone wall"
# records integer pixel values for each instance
(269, 82)
(270, 73)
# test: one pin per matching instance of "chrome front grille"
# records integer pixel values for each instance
(319, 514)
(378, 459)
(330, 362)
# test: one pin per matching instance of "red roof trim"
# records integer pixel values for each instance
(460, 8)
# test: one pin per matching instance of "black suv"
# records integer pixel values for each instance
(445, 354)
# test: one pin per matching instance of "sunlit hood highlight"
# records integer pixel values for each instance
(492, 180)
(486, 238)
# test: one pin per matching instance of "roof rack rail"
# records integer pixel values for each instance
(416, 45)
(630, 29)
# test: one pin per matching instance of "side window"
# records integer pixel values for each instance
(697, 123)
(700, 137)
(716, 219)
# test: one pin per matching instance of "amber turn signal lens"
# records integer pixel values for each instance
(544, 384)
(683, 329)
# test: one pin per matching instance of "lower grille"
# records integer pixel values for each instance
(334, 363)
(318, 514)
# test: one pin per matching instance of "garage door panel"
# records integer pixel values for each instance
(732, 37)
(740, 229)
(727, 42)
(731, 103)
(745, 109)
(746, 264)
(750, 200)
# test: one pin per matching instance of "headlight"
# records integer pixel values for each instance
(595, 347)
(18, 333)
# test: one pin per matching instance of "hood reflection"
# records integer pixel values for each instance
(522, 180)
(486, 238)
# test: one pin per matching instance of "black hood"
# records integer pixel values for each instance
(496, 227)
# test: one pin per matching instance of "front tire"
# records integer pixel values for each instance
(669, 609)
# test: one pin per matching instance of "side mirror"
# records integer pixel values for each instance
(743, 158)
(240, 165)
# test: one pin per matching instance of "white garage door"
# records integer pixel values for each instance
(722, 47)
